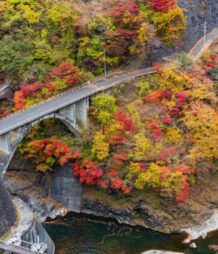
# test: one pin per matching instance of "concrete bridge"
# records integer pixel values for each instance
(70, 107)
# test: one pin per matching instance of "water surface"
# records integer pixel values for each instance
(81, 235)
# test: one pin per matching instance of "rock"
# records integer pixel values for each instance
(23, 184)
(197, 13)
(213, 247)
(193, 245)
(204, 235)
(203, 228)
(7, 211)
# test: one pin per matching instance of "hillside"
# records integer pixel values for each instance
(114, 139)
(39, 48)
(151, 144)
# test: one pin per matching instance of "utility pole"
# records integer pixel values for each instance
(205, 31)
(105, 64)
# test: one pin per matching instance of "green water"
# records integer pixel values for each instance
(90, 236)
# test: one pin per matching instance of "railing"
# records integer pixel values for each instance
(21, 249)
(213, 34)
(209, 37)
(44, 101)
(86, 84)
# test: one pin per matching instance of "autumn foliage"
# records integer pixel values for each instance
(163, 5)
(47, 152)
(62, 77)
(157, 139)
(48, 53)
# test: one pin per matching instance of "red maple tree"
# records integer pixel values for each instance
(163, 5)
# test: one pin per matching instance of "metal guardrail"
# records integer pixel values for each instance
(17, 249)
(212, 35)
(207, 40)
(86, 84)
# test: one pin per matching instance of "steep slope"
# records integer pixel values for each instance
(199, 13)
(7, 211)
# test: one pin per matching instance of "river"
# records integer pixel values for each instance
(81, 235)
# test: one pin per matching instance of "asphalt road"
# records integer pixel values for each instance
(204, 43)
(29, 115)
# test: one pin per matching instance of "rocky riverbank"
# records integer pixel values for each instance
(161, 214)
(26, 186)
(147, 210)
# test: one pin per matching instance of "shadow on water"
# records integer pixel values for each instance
(79, 234)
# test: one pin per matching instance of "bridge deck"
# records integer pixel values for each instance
(72, 96)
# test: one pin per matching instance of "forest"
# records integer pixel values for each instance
(47, 47)
(156, 133)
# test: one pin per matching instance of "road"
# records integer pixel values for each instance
(204, 43)
(55, 103)
(29, 115)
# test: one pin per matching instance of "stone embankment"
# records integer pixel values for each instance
(27, 232)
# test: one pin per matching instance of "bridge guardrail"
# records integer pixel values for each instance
(212, 36)
(86, 84)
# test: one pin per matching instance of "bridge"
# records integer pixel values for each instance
(71, 107)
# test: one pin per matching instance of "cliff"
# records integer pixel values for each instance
(7, 211)
(149, 210)
(202, 17)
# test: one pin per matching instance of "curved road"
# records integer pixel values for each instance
(204, 43)
(72, 96)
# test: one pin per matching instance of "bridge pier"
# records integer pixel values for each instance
(82, 108)
(70, 113)
(5, 144)
(15, 135)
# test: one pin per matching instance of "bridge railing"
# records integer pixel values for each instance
(29, 248)
(87, 83)
(211, 35)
